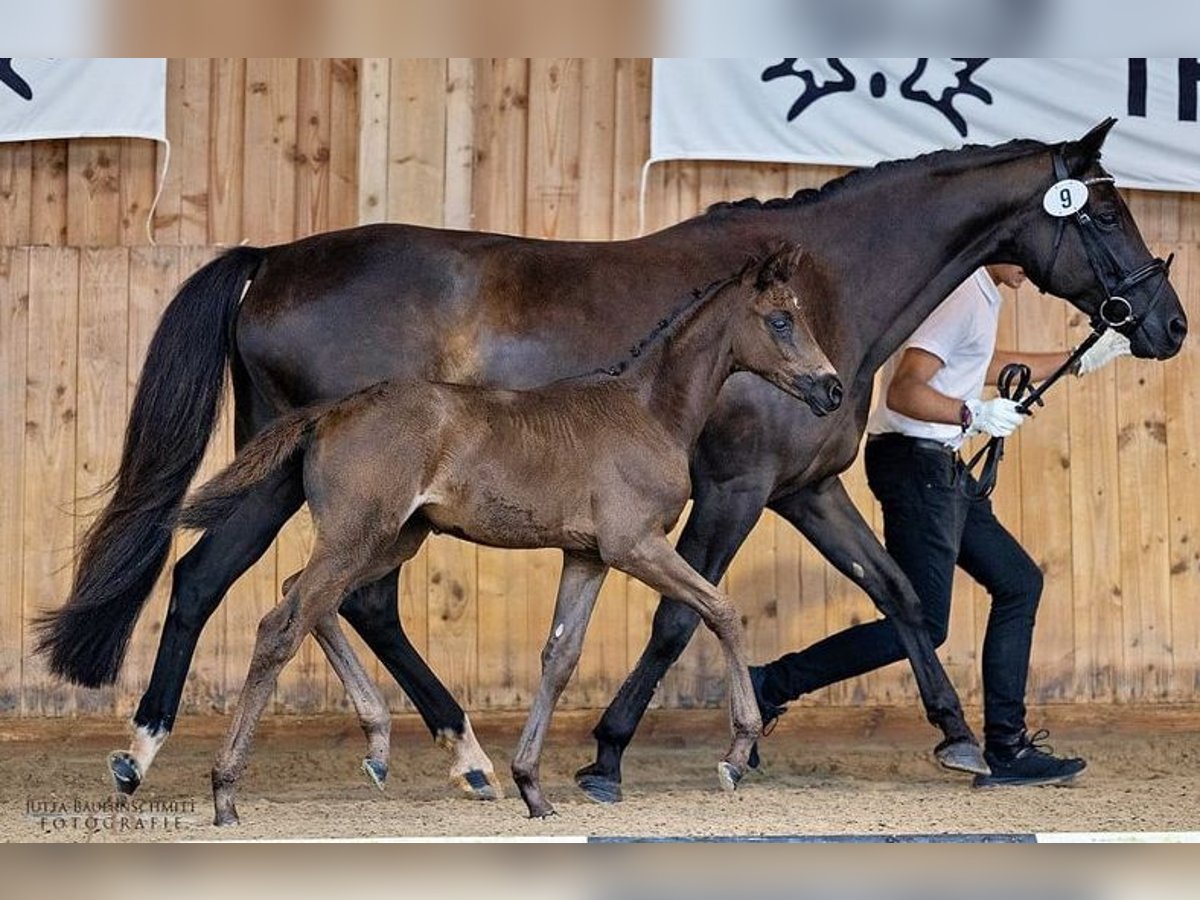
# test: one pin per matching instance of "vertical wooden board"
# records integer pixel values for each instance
(375, 103)
(460, 143)
(167, 214)
(153, 277)
(1046, 507)
(542, 570)
(603, 664)
(416, 160)
(138, 182)
(751, 583)
(501, 133)
(1183, 475)
(269, 176)
(313, 136)
(343, 143)
(101, 403)
(48, 189)
(1095, 525)
(93, 192)
(453, 618)
(1145, 560)
(227, 125)
(14, 336)
(16, 192)
(555, 91)
(507, 661)
(193, 158)
(631, 143)
(597, 148)
(50, 409)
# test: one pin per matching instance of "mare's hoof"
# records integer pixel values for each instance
(597, 787)
(377, 771)
(480, 785)
(729, 774)
(542, 812)
(962, 755)
(126, 773)
(227, 819)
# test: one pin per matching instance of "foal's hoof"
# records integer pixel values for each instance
(962, 755)
(125, 771)
(480, 785)
(729, 774)
(542, 812)
(377, 771)
(600, 788)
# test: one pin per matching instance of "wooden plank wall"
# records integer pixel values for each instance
(1101, 487)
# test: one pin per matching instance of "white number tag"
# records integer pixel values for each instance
(1065, 198)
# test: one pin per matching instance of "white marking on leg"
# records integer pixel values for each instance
(468, 756)
(146, 745)
(858, 570)
(558, 632)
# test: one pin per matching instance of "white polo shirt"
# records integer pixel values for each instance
(961, 332)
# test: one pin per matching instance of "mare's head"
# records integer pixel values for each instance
(1078, 240)
(772, 338)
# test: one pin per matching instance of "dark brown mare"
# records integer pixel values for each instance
(328, 315)
(595, 465)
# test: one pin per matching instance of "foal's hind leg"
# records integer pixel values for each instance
(578, 587)
(655, 563)
(372, 709)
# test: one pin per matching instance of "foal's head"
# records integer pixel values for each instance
(772, 338)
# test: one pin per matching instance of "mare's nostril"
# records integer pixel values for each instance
(1178, 328)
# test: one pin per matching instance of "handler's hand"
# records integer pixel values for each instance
(998, 417)
(1110, 345)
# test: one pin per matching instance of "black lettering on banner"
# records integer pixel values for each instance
(9, 78)
(1136, 102)
(1189, 75)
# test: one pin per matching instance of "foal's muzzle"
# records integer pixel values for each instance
(822, 393)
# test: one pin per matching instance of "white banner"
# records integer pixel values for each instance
(857, 112)
(43, 98)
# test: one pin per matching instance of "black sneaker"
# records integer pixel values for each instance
(1027, 762)
(769, 711)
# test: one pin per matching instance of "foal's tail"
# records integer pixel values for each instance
(174, 410)
(214, 501)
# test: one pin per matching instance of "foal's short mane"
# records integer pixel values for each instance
(946, 161)
(669, 324)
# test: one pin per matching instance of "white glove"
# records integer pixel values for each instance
(1110, 345)
(998, 417)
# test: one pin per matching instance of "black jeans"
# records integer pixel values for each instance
(929, 527)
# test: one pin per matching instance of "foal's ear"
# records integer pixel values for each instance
(779, 267)
(1086, 150)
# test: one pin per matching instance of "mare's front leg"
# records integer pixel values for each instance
(826, 515)
(722, 516)
(199, 582)
(373, 612)
(578, 587)
(654, 562)
(372, 709)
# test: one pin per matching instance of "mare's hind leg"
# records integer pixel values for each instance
(578, 587)
(655, 563)
(368, 702)
(373, 612)
(199, 582)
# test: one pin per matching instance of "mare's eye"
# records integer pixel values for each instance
(1107, 219)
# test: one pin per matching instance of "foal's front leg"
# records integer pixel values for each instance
(578, 587)
(655, 563)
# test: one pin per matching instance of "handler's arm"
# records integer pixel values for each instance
(910, 394)
(1041, 365)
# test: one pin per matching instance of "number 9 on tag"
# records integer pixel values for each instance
(1065, 198)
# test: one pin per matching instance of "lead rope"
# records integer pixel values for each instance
(1013, 383)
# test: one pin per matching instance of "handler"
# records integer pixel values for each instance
(928, 403)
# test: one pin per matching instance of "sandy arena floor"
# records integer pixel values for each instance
(826, 772)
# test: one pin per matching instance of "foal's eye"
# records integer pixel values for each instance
(780, 322)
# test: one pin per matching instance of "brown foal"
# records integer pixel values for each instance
(596, 465)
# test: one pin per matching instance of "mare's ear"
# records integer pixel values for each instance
(1082, 153)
